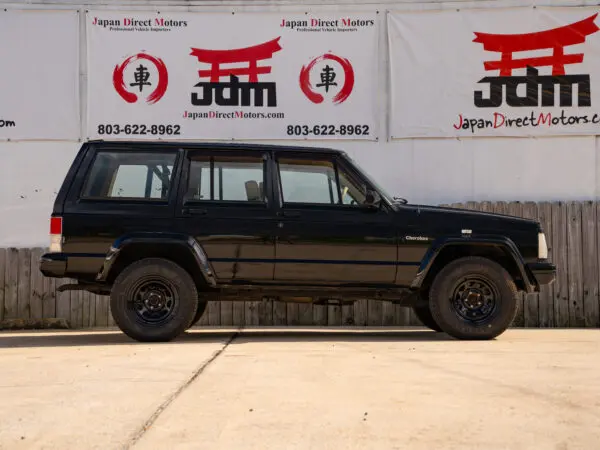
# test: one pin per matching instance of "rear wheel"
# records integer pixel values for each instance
(153, 300)
(424, 315)
(473, 298)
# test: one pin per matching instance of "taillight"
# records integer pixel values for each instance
(56, 234)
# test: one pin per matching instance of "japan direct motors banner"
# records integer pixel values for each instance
(495, 72)
(231, 76)
(39, 88)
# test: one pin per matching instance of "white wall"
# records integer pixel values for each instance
(428, 171)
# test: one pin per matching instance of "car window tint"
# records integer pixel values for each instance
(130, 175)
(233, 179)
(308, 181)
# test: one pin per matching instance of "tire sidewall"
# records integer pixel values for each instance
(183, 286)
(447, 318)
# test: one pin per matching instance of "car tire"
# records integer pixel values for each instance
(202, 305)
(424, 315)
(473, 298)
(153, 300)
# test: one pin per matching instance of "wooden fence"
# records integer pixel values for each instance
(572, 301)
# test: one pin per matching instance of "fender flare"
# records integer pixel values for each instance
(185, 241)
(438, 245)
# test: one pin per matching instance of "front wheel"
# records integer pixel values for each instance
(473, 298)
(153, 300)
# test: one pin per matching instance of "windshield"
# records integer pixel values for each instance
(386, 197)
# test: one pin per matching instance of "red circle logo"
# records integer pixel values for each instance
(141, 79)
(328, 79)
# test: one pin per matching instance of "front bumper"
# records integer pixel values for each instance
(542, 273)
(53, 265)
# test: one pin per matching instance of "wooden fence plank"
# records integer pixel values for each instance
(102, 307)
(239, 312)
(559, 242)
(63, 300)
(589, 221)
(546, 302)
(305, 314)
(12, 284)
(348, 315)
(251, 316)
(77, 308)
(334, 315)
(49, 298)
(292, 313)
(389, 315)
(37, 284)
(24, 284)
(596, 307)
(531, 301)
(279, 313)
(361, 313)
(402, 315)
(320, 315)
(575, 265)
(214, 313)
(3, 286)
(515, 209)
(91, 309)
(226, 313)
(265, 312)
(374, 313)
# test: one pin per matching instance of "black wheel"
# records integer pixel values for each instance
(153, 300)
(424, 315)
(473, 298)
(199, 312)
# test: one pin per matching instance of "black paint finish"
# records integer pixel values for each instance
(392, 245)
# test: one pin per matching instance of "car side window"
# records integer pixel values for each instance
(308, 181)
(226, 178)
(316, 181)
(130, 175)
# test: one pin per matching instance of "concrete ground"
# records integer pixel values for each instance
(301, 389)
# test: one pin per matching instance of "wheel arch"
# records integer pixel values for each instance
(181, 249)
(501, 250)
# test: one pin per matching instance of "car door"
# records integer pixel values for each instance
(325, 234)
(224, 204)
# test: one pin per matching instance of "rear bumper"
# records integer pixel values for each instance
(542, 273)
(53, 265)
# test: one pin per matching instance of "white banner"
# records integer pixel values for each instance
(231, 76)
(39, 80)
(495, 72)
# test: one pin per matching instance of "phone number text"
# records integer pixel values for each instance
(139, 129)
(328, 130)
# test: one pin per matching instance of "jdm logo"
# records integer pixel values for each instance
(327, 67)
(554, 40)
(142, 79)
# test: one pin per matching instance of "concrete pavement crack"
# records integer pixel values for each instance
(164, 405)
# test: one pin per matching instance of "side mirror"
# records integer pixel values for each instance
(372, 200)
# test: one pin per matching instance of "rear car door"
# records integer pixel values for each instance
(224, 204)
(325, 235)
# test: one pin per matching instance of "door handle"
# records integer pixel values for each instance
(290, 214)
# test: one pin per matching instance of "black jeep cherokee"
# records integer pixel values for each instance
(165, 227)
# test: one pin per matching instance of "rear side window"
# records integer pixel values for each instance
(138, 176)
(226, 178)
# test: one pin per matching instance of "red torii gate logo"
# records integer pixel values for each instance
(239, 91)
(555, 39)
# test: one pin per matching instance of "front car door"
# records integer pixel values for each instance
(224, 203)
(325, 234)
